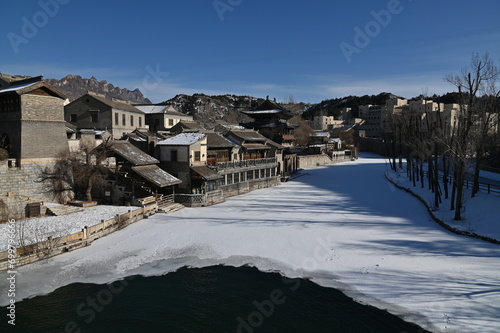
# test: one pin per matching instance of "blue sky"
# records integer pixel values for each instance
(312, 50)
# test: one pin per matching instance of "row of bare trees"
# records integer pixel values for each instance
(450, 144)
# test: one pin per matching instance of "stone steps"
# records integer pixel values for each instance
(170, 208)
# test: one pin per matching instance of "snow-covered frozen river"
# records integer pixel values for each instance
(343, 226)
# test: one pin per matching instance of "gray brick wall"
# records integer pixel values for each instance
(37, 107)
(24, 181)
(41, 139)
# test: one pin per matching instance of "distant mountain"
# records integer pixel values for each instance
(212, 110)
(75, 86)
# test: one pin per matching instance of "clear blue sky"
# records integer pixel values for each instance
(308, 49)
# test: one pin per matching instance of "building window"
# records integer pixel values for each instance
(94, 117)
(132, 121)
(237, 177)
(170, 122)
(73, 118)
(229, 179)
(249, 175)
(197, 156)
(257, 174)
(242, 177)
(140, 122)
(117, 119)
(124, 120)
(173, 155)
(222, 181)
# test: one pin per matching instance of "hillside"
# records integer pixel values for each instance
(75, 86)
(211, 110)
(332, 107)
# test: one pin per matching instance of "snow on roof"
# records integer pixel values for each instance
(182, 139)
(151, 108)
(320, 134)
(135, 137)
(263, 111)
(16, 88)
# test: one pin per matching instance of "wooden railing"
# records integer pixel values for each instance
(244, 163)
(165, 200)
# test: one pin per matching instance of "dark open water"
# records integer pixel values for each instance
(212, 299)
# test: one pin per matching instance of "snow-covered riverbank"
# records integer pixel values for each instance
(343, 226)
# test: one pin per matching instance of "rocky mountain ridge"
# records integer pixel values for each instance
(75, 86)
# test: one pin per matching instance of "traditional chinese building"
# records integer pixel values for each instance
(95, 111)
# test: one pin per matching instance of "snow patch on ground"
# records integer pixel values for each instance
(38, 229)
(481, 214)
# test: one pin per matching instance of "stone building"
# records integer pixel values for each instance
(95, 111)
(32, 135)
(181, 155)
(31, 121)
(161, 118)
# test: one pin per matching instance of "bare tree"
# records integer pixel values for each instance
(465, 144)
(58, 179)
(303, 131)
(88, 168)
(77, 173)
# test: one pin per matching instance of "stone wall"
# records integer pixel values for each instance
(25, 180)
(249, 185)
(310, 161)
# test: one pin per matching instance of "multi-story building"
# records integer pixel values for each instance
(95, 111)
(185, 157)
(372, 116)
(326, 123)
(270, 120)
